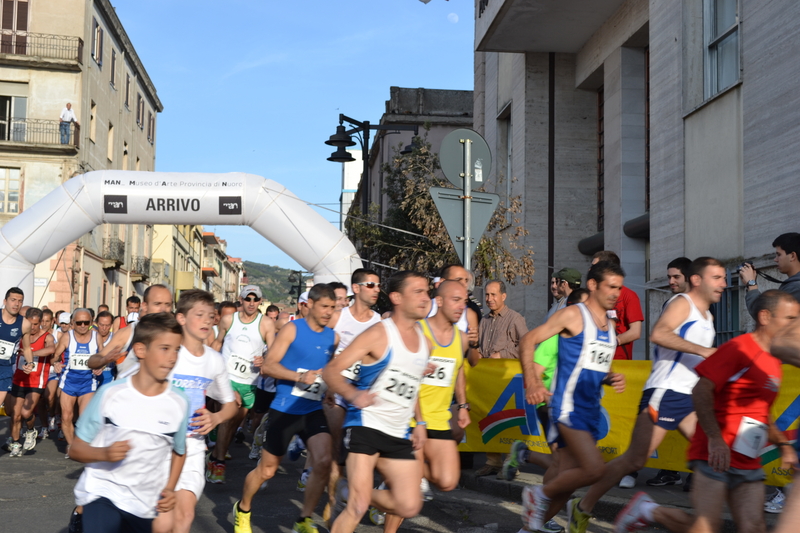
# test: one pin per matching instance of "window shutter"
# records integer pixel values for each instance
(22, 15)
(8, 14)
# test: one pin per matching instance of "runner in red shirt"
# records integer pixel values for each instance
(737, 387)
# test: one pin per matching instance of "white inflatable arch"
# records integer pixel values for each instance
(127, 197)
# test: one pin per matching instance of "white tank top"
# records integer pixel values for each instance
(461, 324)
(348, 329)
(674, 370)
(243, 343)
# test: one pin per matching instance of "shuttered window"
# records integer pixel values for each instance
(14, 24)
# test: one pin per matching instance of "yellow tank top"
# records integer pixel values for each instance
(436, 392)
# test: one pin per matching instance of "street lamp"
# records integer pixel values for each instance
(343, 138)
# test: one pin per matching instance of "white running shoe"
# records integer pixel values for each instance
(30, 440)
(16, 449)
(536, 506)
(425, 488)
(255, 452)
(631, 518)
(775, 504)
(628, 482)
(51, 424)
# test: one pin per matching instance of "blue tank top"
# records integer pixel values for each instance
(10, 335)
(310, 350)
(77, 354)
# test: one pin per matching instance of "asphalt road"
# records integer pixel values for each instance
(36, 495)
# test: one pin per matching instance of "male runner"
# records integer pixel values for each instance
(79, 381)
(586, 346)
(439, 456)
(47, 402)
(302, 348)
(340, 289)
(737, 386)
(468, 323)
(28, 384)
(132, 305)
(104, 322)
(394, 358)
(15, 330)
(242, 338)
(682, 337)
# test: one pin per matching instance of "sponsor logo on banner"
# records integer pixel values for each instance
(522, 415)
(115, 203)
(230, 205)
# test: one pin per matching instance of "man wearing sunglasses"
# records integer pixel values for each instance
(242, 340)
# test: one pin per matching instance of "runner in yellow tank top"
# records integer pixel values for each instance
(441, 463)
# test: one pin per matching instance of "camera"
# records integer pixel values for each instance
(739, 267)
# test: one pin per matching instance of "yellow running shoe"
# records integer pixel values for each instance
(241, 520)
(578, 520)
(306, 526)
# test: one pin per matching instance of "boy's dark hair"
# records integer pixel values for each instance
(788, 242)
(607, 255)
(398, 280)
(14, 290)
(33, 312)
(337, 285)
(320, 291)
(576, 296)
(133, 300)
(272, 308)
(47, 312)
(770, 299)
(152, 325)
(699, 265)
(684, 264)
(192, 297)
(103, 314)
(150, 288)
(227, 304)
(360, 274)
(601, 269)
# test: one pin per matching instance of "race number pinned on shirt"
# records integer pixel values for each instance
(314, 392)
(443, 375)
(7, 349)
(240, 367)
(399, 387)
(750, 438)
(600, 356)
(354, 372)
(79, 361)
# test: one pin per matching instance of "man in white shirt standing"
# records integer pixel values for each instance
(67, 116)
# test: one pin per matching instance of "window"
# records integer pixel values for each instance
(113, 68)
(13, 115)
(93, 123)
(140, 110)
(128, 91)
(97, 42)
(14, 39)
(601, 179)
(105, 292)
(119, 301)
(10, 186)
(721, 37)
(86, 290)
(124, 156)
(150, 126)
(110, 142)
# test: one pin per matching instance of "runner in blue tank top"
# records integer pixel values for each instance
(15, 330)
(296, 359)
(585, 351)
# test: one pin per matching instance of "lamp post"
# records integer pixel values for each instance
(343, 138)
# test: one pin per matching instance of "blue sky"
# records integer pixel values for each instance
(259, 88)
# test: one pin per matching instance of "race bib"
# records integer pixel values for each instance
(7, 349)
(21, 364)
(750, 438)
(400, 387)
(354, 372)
(443, 375)
(314, 392)
(79, 361)
(601, 354)
(240, 367)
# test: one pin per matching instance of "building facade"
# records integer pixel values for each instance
(656, 129)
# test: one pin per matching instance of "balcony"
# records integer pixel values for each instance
(113, 252)
(186, 279)
(210, 269)
(40, 50)
(34, 134)
(140, 268)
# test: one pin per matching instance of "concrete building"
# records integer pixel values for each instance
(53, 52)
(178, 257)
(222, 275)
(655, 129)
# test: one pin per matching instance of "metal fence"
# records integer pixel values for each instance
(40, 131)
(41, 45)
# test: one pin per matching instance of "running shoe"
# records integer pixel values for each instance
(239, 437)
(255, 452)
(241, 520)
(61, 435)
(9, 442)
(16, 449)
(306, 526)
(216, 473)
(665, 477)
(551, 527)
(301, 483)
(775, 504)
(627, 482)
(30, 440)
(517, 456)
(43, 433)
(631, 518)
(578, 520)
(377, 517)
(425, 488)
(296, 448)
(536, 506)
(75, 522)
(66, 455)
(51, 423)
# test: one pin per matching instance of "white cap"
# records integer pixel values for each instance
(64, 318)
(303, 298)
(251, 289)
(132, 317)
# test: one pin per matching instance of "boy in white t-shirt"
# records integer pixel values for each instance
(200, 371)
(127, 434)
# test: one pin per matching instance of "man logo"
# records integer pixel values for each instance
(230, 205)
(114, 203)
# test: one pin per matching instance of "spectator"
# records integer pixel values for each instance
(273, 311)
(787, 257)
(628, 315)
(67, 116)
(563, 283)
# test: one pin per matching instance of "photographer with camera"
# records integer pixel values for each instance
(787, 258)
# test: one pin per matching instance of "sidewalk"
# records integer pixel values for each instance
(607, 508)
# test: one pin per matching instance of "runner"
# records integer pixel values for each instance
(737, 386)
(47, 402)
(15, 330)
(340, 289)
(28, 384)
(242, 338)
(394, 358)
(586, 346)
(682, 338)
(199, 372)
(439, 458)
(132, 305)
(79, 381)
(103, 323)
(301, 350)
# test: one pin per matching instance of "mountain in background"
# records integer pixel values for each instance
(273, 280)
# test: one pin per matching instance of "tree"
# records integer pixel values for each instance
(424, 244)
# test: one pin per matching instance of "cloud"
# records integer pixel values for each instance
(243, 66)
(452, 17)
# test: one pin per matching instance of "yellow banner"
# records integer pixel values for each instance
(500, 415)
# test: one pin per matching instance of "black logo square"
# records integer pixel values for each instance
(230, 205)
(115, 203)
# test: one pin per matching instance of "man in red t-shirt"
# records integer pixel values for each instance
(737, 387)
(627, 314)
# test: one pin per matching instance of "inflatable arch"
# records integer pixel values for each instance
(128, 197)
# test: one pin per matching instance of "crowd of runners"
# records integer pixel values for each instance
(152, 401)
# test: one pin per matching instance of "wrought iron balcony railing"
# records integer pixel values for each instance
(140, 265)
(113, 251)
(40, 131)
(41, 45)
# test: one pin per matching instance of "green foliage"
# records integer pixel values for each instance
(273, 281)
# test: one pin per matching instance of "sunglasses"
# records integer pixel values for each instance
(252, 299)
(367, 284)
(82, 322)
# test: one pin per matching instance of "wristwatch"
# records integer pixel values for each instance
(463, 406)
(752, 283)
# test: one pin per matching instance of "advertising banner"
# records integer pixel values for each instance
(500, 415)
